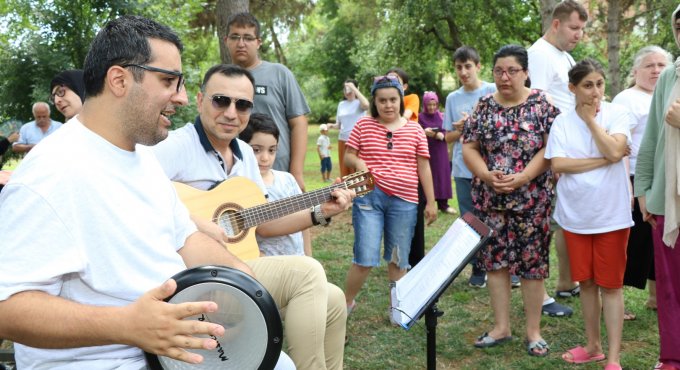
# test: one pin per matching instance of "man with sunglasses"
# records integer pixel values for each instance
(33, 132)
(207, 152)
(277, 93)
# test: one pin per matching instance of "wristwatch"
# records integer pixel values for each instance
(318, 218)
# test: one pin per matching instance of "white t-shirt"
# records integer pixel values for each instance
(284, 186)
(347, 115)
(638, 102)
(598, 200)
(549, 71)
(91, 223)
(324, 144)
(192, 161)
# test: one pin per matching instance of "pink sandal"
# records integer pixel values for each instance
(579, 355)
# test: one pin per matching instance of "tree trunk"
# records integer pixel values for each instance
(614, 15)
(223, 10)
(277, 46)
(546, 14)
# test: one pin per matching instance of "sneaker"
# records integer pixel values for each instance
(554, 309)
(477, 280)
(515, 282)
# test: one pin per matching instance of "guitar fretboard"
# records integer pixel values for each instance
(260, 214)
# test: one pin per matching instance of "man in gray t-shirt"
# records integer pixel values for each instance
(277, 93)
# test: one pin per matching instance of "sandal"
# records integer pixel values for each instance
(613, 367)
(579, 355)
(574, 292)
(555, 309)
(486, 341)
(539, 345)
(629, 316)
(351, 307)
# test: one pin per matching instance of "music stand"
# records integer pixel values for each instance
(416, 294)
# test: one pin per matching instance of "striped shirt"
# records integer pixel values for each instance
(395, 170)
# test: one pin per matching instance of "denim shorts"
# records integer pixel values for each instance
(326, 164)
(376, 214)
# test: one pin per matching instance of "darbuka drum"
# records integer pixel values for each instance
(253, 332)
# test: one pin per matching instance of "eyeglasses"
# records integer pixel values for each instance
(180, 75)
(511, 72)
(236, 38)
(389, 142)
(60, 92)
(222, 102)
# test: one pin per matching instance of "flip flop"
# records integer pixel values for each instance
(537, 345)
(612, 367)
(579, 355)
(486, 341)
(629, 316)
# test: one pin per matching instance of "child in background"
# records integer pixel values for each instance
(263, 136)
(323, 147)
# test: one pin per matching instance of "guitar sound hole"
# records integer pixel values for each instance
(227, 216)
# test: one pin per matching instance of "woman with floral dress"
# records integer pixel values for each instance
(503, 146)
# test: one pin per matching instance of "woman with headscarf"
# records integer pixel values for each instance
(431, 119)
(67, 92)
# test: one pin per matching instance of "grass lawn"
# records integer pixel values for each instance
(375, 344)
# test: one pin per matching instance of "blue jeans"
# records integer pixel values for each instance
(376, 214)
(463, 194)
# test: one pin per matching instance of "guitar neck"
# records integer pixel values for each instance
(276, 209)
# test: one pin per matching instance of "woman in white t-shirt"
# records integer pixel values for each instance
(587, 146)
(647, 66)
(353, 106)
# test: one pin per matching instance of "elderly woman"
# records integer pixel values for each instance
(431, 120)
(503, 146)
(647, 66)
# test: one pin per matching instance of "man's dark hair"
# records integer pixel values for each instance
(229, 70)
(563, 10)
(244, 19)
(401, 73)
(465, 53)
(123, 41)
(259, 122)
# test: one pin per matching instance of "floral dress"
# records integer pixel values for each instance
(509, 138)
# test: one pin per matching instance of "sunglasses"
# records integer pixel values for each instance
(60, 92)
(378, 79)
(222, 102)
(389, 142)
(180, 81)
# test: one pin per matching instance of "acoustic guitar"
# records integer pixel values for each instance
(237, 205)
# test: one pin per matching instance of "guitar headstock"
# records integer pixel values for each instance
(361, 182)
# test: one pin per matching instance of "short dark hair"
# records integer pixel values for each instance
(519, 53)
(564, 9)
(400, 72)
(123, 41)
(259, 122)
(465, 53)
(229, 70)
(583, 68)
(244, 19)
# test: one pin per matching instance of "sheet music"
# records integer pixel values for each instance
(415, 289)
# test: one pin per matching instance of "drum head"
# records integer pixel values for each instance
(253, 332)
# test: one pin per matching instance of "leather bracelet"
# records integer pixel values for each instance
(320, 217)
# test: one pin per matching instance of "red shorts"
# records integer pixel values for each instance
(598, 257)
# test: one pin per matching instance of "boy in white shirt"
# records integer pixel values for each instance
(323, 147)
